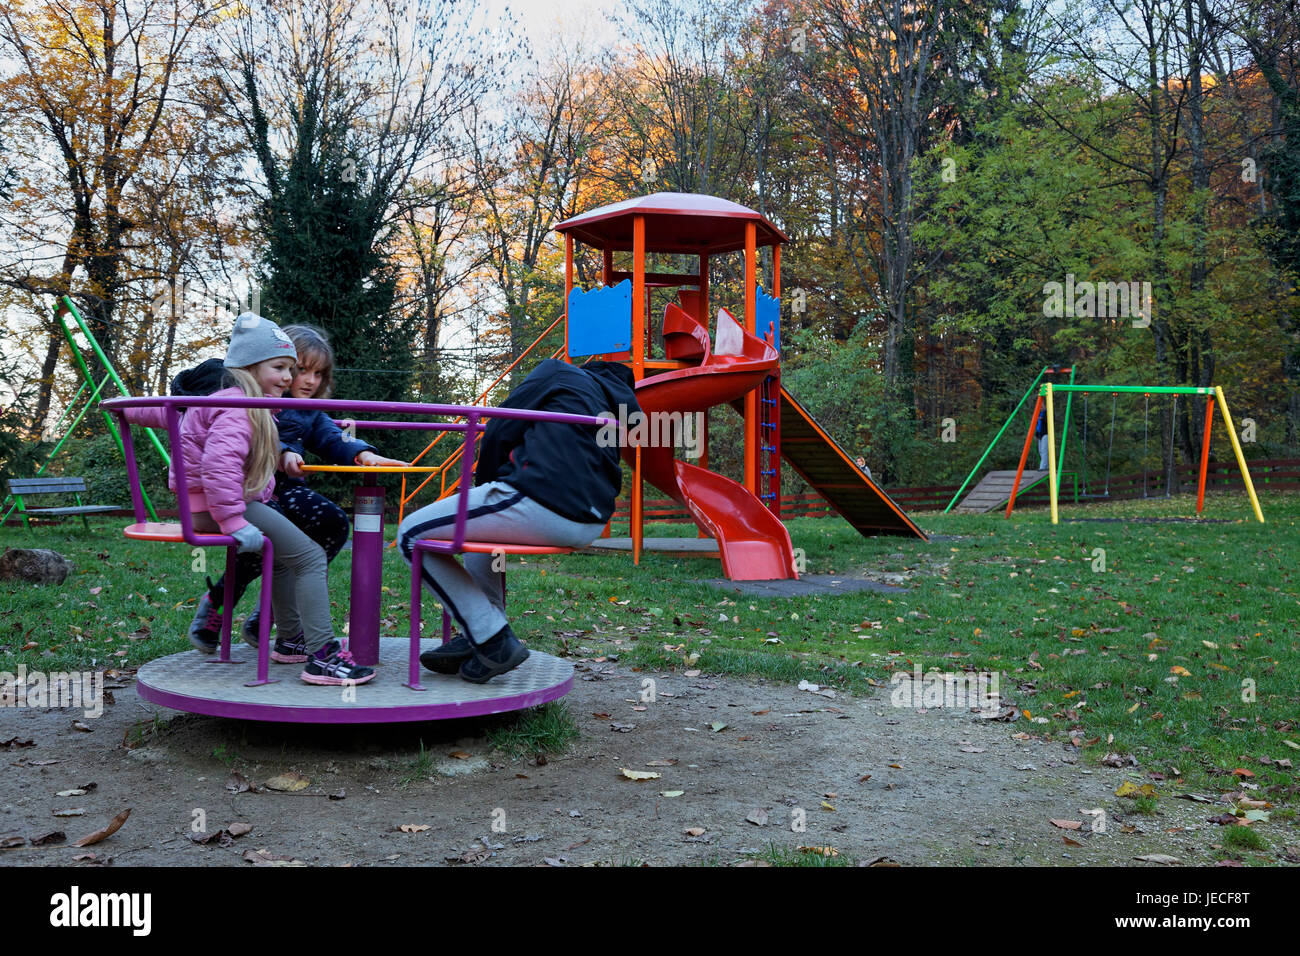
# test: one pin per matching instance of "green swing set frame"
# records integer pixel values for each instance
(67, 308)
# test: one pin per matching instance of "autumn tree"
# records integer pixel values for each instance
(90, 94)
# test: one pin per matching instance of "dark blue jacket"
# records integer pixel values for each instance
(563, 467)
(302, 431)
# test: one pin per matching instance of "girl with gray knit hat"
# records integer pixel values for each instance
(230, 455)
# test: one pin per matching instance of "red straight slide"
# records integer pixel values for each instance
(753, 543)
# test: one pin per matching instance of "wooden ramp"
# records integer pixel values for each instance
(995, 488)
(823, 464)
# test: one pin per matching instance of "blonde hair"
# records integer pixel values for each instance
(314, 349)
(263, 449)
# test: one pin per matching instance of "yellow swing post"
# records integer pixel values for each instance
(1236, 447)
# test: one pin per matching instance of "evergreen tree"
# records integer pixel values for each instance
(325, 261)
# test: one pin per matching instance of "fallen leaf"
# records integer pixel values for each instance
(8, 843)
(1130, 789)
(819, 850)
(1068, 824)
(290, 782)
(671, 793)
(967, 747)
(757, 817)
(70, 812)
(1242, 772)
(459, 755)
(113, 826)
(54, 836)
(694, 831)
(1180, 671)
(717, 726)
(83, 727)
(1069, 842)
(1158, 858)
(671, 762)
(413, 827)
(264, 857)
(639, 774)
(760, 713)
(239, 829)
(71, 793)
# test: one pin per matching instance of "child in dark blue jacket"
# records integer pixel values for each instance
(324, 522)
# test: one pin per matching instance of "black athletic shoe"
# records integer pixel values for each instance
(447, 658)
(500, 653)
(205, 629)
(332, 665)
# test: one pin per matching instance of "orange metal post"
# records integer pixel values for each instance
(568, 287)
(704, 317)
(1205, 454)
(638, 366)
(1024, 455)
(751, 323)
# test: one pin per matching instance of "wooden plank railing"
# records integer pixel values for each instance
(1271, 474)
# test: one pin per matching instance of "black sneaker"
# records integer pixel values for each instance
(251, 627)
(205, 629)
(289, 652)
(447, 658)
(500, 653)
(332, 665)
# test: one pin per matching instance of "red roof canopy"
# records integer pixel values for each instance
(674, 222)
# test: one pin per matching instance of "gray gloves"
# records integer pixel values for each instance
(249, 538)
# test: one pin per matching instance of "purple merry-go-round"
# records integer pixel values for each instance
(241, 682)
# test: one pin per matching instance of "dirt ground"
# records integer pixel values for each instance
(873, 781)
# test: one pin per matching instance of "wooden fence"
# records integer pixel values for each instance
(1273, 474)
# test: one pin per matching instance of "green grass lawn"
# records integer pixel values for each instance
(1184, 649)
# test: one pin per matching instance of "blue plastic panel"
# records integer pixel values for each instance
(600, 321)
(767, 311)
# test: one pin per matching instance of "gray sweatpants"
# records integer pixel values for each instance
(299, 588)
(497, 512)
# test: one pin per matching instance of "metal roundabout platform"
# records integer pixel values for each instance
(194, 683)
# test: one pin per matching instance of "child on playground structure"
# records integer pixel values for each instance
(230, 456)
(301, 430)
(1040, 429)
(540, 483)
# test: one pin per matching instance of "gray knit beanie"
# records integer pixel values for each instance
(256, 339)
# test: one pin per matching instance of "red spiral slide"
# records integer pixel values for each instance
(752, 541)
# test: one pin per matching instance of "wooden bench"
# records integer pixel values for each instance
(18, 487)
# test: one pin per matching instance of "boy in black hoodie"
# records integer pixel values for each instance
(541, 483)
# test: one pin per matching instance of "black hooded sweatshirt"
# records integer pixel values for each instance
(562, 467)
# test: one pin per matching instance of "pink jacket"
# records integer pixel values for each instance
(214, 445)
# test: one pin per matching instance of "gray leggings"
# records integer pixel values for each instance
(300, 588)
(497, 512)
